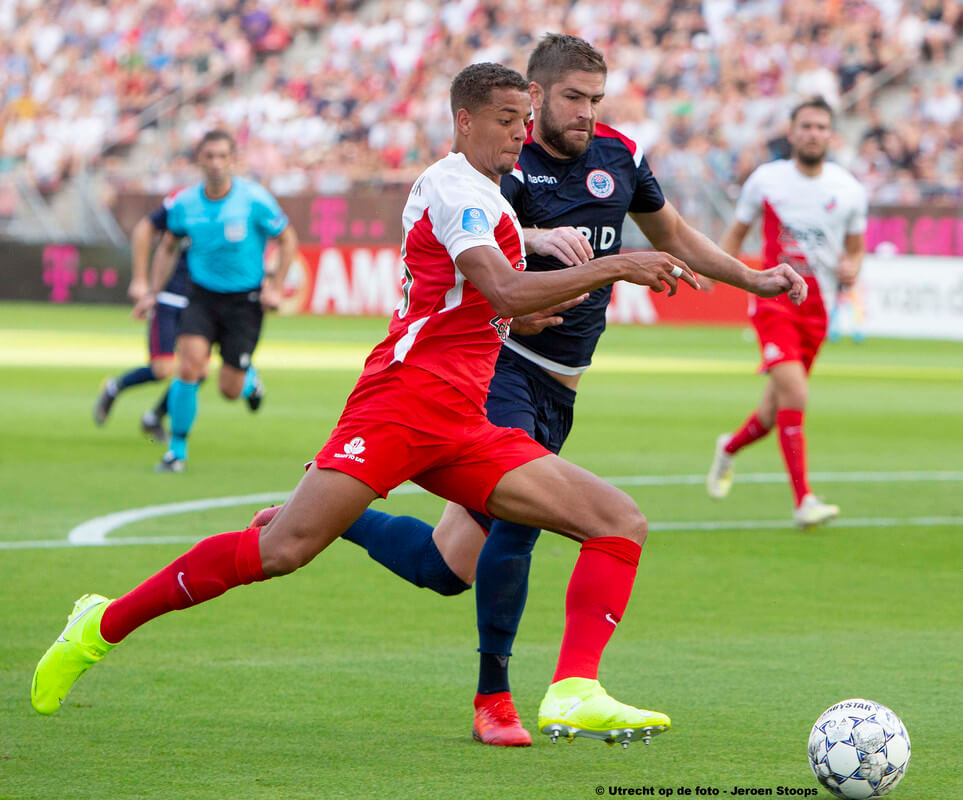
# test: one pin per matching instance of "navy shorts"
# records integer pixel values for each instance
(522, 395)
(162, 332)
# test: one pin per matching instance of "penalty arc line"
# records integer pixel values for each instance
(93, 532)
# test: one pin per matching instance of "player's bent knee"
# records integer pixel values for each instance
(162, 368)
(285, 552)
(636, 527)
(621, 517)
(190, 372)
(279, 560)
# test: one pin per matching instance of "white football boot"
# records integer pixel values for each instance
(719, 479)
(812, 511)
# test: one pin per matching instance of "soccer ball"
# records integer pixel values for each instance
(859, 749)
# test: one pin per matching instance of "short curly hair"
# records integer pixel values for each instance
(472, 87)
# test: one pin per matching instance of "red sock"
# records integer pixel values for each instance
(751, 430)
(598, 593)
(204, 572)
(792, 440)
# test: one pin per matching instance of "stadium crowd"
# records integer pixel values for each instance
(703, 85)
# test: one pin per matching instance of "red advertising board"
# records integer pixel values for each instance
(366, 281)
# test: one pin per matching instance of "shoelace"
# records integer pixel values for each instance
(503, 712)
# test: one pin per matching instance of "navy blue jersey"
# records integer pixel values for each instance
(593, 193)
(178, 282)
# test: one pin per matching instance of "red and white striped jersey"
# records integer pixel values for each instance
(443, 324)
(805, 220)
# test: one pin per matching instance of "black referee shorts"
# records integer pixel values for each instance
(232, 320)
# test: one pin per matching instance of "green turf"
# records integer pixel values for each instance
(343, 681)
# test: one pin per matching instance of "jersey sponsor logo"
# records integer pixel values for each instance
(235, 231)
(474, 221)
(353, 450)
(795, 235)
(601, 238)
(549, 179)
(600, 183)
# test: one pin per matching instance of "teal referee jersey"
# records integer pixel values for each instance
(228, 235)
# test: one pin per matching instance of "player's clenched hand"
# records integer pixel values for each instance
(270, 297)
(144, 307)
(781, 279)
(847, 271)
(653, 269)
(566, 244)
(137, 290)
(530, 324)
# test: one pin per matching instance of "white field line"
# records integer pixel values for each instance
(94, 532)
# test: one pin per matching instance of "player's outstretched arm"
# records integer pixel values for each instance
(514, 294)
(667, 230)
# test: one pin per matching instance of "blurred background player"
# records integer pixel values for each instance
(228, 220)
(574, 183)
(162, 327)
(814, 217)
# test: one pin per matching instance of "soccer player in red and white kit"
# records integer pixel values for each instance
(814, 218)
(417, 413)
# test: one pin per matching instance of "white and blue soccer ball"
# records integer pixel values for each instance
(859, 749)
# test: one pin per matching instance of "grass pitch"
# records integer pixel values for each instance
(343, 681)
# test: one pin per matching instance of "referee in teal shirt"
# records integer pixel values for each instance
(228, 221)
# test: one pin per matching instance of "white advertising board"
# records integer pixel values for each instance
(913, 297)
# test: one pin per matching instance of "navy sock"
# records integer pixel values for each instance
(404, 545)
(160, 410)
(493, 674)
(501, 589)
(134, 377)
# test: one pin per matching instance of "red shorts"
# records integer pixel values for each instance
(787, 332)
(407, 424)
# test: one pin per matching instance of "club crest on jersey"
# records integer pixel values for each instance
(502, 326)
(235, 231)
(474, 221)
(600, 183)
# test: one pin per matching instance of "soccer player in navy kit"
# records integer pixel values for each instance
(228, 220)
(162, 330)
(574, 182)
